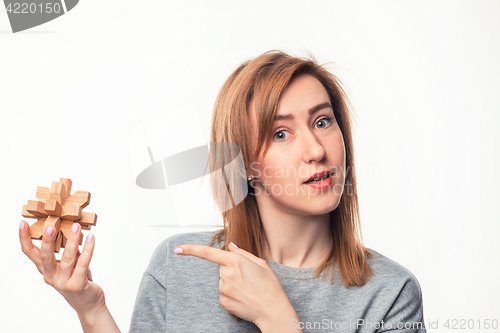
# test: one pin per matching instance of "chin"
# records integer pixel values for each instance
(324, 205)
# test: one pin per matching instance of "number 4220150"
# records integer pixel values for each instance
(32, 8)
(461, 324)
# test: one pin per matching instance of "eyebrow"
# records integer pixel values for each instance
(311, 111)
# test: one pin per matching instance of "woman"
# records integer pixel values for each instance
(289, 257)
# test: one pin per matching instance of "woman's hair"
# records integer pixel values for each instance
(263, 80)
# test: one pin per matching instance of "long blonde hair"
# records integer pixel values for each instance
(264, 79)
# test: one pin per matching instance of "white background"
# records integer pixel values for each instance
(423, 76)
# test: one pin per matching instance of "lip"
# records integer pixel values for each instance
(318, 175)
(323, 184)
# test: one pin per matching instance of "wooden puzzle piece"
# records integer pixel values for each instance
(67, 186)
(71, 212)
(37, 228)
(42, 193)
(36, 208)
(52, 207)
(58, 192)
(88, 219)
(80, 198)
(26, 214)
(65, 239)
(60, 242)
(58, 208)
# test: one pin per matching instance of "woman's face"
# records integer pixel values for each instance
(306, 140)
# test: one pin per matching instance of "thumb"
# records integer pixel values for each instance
(235, 249)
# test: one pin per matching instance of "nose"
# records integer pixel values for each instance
(312, 148)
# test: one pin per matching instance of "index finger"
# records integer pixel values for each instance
(217, 256)
(27, 246)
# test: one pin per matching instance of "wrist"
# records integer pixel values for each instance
(280, 320)
(90, 316)
(98, 319)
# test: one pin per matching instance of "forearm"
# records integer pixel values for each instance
(100, 321)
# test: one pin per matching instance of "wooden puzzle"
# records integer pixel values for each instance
(58, 209)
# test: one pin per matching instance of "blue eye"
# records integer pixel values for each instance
(280, 136)
(325, 120)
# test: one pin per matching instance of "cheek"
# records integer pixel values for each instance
(338, 154)
(274, 171)
(337, 149)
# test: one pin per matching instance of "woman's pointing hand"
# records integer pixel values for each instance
(248, 286)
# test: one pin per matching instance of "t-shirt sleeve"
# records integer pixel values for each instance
(406, 313)
(149, 309)
(149, 314)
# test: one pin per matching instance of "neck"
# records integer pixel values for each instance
(296, 240)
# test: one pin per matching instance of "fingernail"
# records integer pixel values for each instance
(234, 245)
(21, 225)
(74, 228)
(49, 231)
(178, 250)
(90, 237)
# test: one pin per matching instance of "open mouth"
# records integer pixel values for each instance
(319, 179)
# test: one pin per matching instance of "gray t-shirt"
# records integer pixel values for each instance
(181, 294)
